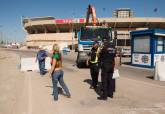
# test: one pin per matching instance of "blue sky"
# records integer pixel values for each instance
(12, 10)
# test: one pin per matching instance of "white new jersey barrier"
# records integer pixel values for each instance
(159, 71)
(30, 64)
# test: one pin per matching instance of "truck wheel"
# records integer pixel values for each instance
(79, 64)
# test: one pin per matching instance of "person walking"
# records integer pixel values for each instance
(107, 57)
(41, 55)
(56, 73)
(93, 63)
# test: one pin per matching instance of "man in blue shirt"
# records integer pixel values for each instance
(41, 55)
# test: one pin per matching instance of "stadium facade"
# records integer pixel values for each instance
(49, 30)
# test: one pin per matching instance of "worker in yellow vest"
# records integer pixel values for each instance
(93, 63)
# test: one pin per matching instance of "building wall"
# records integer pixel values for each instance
(34, 40)
(45, 32)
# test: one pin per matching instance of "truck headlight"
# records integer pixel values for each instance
(80, 47)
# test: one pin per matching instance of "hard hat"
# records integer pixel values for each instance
(40, 46)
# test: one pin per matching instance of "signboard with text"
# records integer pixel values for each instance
(63, 21)
(141, 59)
(67, 21)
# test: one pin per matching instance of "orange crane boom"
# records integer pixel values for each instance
(91, 10)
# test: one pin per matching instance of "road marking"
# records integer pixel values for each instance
(145, 83)
(29, 95)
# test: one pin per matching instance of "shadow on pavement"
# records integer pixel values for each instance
(49, 86)
(98, 90)
(83, 67)
(126, 63)
(88, 81)
(60, 91)
(150, 77)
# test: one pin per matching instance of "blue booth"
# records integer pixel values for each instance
(147, 47)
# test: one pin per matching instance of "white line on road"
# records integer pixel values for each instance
(29, 95)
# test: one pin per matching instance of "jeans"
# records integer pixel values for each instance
(57, 76)
(42, 67)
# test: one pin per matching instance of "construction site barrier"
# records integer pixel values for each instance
(30, 64)
(159, 71)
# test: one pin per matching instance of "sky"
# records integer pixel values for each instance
(11, 12)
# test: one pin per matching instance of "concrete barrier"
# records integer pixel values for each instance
(30, 64)
(159, 71)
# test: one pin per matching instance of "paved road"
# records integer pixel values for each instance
(31, 93)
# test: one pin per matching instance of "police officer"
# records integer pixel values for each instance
(107, 57)
(93, 62)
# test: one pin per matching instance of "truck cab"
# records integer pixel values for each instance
(86, 38)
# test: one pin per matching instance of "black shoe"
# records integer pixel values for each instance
(42, 74)
(55, 99)
(95, 87)
(68, 96)
(102, 98)
(91, 87)
(111, 96)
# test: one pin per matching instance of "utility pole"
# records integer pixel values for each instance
(1, 35)
(115, 37)
(14, 36)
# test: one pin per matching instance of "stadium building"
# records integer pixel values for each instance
(50, 30)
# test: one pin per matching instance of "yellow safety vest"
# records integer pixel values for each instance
(97, 56)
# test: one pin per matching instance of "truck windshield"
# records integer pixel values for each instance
(95, 33)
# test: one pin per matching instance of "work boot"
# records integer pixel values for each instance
(55, 98)
(93, 87)
(102, 98)
(111, 96)
(68, 96)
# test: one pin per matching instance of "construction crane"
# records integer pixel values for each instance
(91, 11)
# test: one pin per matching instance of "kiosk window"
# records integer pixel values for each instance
(160, 45)
(142, 44)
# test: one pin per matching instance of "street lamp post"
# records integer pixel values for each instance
(73, 31)
(72, 38)
(1, 36)
(14, 36)
(125, 40)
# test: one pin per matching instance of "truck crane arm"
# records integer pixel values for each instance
(91, 10)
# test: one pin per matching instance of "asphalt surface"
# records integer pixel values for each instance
(141, 74)
(29, 93)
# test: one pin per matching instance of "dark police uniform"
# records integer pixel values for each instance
(107, 56)
(94, 66)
